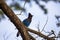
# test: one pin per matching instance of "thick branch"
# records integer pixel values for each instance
(15, 20)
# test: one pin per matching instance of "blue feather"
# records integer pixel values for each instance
(26, 22)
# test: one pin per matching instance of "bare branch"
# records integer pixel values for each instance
(40, 34)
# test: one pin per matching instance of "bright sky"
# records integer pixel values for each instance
(7, 28)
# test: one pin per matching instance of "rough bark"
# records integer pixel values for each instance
(14, 19)
(18, 24)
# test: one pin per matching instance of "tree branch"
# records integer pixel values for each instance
(40, 34)
(15, 20)
(19, 25)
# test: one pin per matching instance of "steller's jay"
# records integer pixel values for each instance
(27, 21)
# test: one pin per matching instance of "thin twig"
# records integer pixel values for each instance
(45, 24)
(22, 10)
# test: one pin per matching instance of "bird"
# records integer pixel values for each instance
(26, 22)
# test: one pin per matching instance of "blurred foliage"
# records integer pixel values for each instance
(41, 6)
(17, 6)
(58, 19)
(26, 0)
(51, 0)
(58, 24)
(46, 0)
(59, 34)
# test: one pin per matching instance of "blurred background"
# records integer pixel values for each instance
(46, 18)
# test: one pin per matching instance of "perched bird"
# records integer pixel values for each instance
(27, 21)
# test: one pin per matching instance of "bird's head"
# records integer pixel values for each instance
(30, 15)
